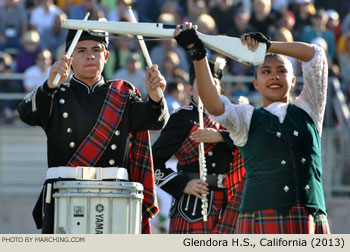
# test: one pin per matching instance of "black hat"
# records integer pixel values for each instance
(86, 36)
(216, 69)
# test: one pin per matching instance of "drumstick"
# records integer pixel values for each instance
(144, 49)
(71, 49)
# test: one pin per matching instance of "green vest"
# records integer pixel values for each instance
(283, 163)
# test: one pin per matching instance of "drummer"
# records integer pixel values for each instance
(91, 122)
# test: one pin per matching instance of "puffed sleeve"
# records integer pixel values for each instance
(313, 97)
(236, 119)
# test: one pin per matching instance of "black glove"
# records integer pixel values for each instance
(188, 37)
(258, 36)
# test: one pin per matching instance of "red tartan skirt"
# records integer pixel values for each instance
(298, 221)
(179, 225)
(228, 220)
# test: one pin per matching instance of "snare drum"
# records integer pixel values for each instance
(98, 207)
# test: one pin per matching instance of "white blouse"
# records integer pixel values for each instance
(236, 118)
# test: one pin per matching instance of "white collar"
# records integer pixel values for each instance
(279, 109)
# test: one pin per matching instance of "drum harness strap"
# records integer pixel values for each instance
(88, 173)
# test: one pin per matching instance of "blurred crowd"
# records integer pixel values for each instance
(31, 38)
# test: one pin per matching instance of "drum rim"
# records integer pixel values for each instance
(98, 195)
(83, 184)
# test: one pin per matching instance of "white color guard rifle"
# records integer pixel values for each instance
(225, 45)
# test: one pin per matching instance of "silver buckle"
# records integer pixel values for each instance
(88, 173)
(221, 178)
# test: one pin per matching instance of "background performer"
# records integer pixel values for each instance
(223, 189)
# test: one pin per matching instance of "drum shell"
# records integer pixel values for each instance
(98, 207)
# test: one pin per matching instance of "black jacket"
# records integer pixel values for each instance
(68, 114)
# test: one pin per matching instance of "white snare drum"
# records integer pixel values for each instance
(98, 207)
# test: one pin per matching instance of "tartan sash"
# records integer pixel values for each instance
(140, 158)
(96, 142)
(189, 150)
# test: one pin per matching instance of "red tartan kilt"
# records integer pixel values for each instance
(179, 225)
(298, 221)
(228, 220)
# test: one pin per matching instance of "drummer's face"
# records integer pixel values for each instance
(89, 58)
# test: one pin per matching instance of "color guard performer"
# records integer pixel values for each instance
(223, 186)
(281, 141)
(91, 122)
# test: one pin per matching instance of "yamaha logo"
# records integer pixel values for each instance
(100, 208)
